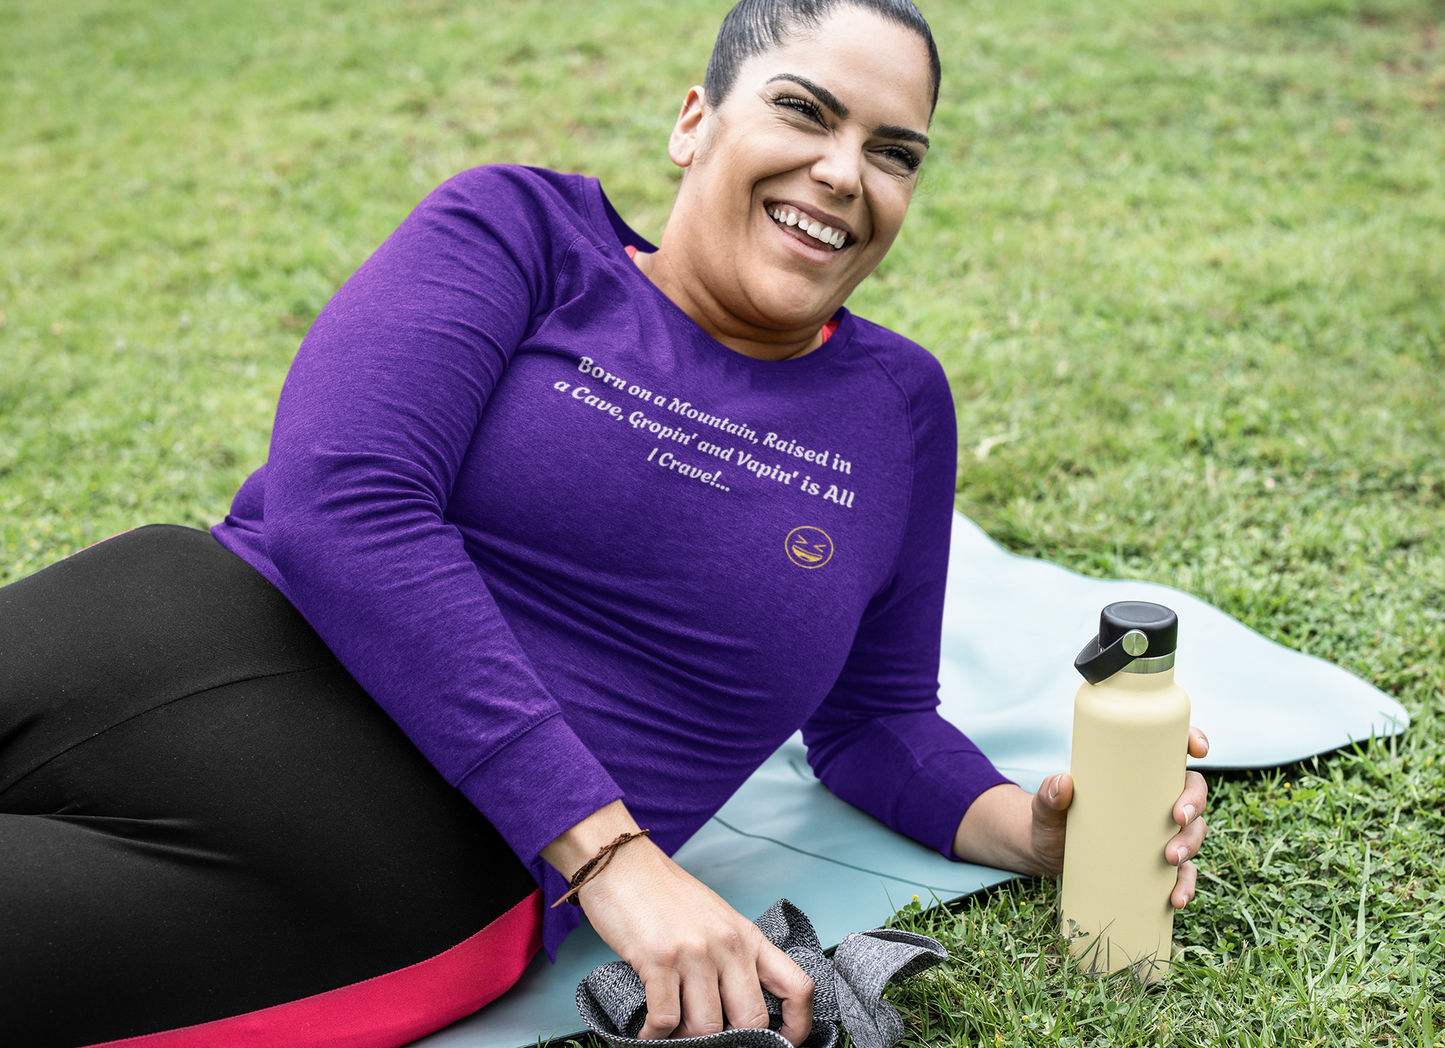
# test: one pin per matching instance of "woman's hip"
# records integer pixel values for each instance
(203, 814)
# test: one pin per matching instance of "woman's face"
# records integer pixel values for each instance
(825, 132)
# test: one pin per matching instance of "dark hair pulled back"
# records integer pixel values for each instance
(755, 26)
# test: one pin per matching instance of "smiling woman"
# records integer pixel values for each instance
(800, 164)
(519, 599)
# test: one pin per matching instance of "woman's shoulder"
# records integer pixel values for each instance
(492, 184)
(517, 203)
(903, 362)
(531, 204)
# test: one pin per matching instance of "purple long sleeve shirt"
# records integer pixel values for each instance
(581, 551)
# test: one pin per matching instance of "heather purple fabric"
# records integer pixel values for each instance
(579, 550)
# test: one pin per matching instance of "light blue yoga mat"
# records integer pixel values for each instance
(1011, 629)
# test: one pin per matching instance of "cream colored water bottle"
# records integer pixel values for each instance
(1131, 739)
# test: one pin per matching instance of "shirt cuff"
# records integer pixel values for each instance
(941, 792)
(542, 783)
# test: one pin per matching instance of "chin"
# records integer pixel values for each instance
(778, 316)
(790, 301)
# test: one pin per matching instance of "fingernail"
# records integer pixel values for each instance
(1054, 788)
(1183, 854)
(1205, 738)
(1189, 814)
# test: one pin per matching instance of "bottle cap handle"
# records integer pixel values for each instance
(1099, 664)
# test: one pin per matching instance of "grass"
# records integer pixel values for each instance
(1184, 262)
(1318, 924)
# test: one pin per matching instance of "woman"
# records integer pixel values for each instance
(597, 526)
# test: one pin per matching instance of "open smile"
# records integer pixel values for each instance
(796, 219)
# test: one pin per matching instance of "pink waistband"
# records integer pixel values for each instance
(388, 1010)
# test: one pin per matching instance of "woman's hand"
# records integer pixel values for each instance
(1013, 830)
(1189, 814)
(702, 963)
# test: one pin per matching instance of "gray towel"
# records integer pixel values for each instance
(847, 989)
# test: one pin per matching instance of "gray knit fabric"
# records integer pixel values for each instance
(847, 989)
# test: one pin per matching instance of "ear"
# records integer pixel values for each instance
(682, 146)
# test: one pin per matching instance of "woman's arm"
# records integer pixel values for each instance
(878, 741)
(376, 416)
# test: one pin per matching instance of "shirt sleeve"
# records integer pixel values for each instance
(374, 419)
(877, 740)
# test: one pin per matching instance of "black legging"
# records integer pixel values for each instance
(201, 813)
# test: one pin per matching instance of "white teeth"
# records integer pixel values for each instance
(834, 238)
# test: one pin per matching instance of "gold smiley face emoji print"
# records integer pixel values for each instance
(808, 547)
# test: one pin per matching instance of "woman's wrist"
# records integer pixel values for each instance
(597, 865)
(574, 848)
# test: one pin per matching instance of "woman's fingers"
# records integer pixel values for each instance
(1184, 886)
(1050, 810)
(702, 1002)
(1189, 814)
(1056, 792)
(1192, 801)
(1198, 743)
(1184, 845)
(735, 981)
(664, 1003)
(701, 981)
(719, 985)
(790, 984)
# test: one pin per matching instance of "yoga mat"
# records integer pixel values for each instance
(1011, 628)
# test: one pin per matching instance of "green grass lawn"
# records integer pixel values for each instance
(1183, 260)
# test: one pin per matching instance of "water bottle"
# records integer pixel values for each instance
(1131, 738)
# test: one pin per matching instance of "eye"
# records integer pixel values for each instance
(906, 157)
(803, 106)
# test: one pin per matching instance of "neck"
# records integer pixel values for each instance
(738, 335)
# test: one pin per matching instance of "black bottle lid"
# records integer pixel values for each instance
(1128, 631)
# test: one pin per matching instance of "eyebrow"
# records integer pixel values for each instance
(835, 105)
(906, 134)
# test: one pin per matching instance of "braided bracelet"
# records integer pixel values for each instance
(595, 865)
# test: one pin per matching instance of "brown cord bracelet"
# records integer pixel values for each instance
(595, 865)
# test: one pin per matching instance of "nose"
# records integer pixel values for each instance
(840, 167)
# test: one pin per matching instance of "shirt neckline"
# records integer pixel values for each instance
(828, 328)
(616, 236)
